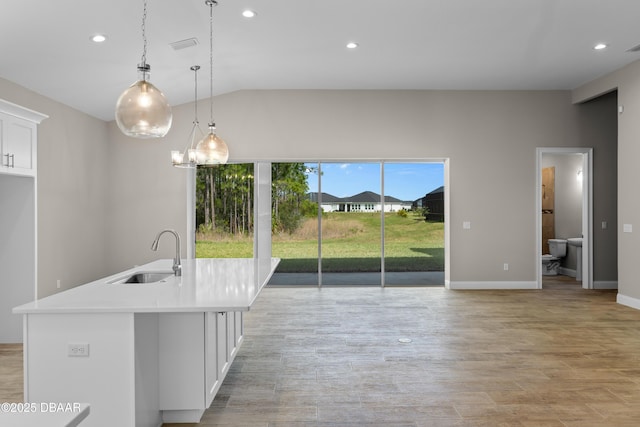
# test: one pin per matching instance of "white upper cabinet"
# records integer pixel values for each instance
(18, 139)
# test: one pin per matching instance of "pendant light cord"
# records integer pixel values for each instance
(211, 4)
(144, 34)
(195, 69)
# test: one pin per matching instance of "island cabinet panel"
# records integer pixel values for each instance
(239, 328)
(216, 355)
(181, 350)
(195, 352)
(231, 337)
(104, 376)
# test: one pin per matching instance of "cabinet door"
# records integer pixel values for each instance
(211, 362)
(18, 145)
(222, 343)
(217, 357)
(239, 328)
(231, 336)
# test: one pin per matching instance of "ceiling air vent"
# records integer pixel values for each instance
(634, 49)
(183, 44)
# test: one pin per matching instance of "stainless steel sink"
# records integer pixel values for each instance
(143, 277)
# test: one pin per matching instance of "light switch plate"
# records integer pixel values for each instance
(627, 228)
(466, 225)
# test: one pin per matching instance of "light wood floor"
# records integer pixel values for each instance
(561, 356)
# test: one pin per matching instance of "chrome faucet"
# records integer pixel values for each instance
(177, 267)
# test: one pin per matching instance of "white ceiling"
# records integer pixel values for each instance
(300, 44)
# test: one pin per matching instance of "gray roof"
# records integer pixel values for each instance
(438, 190)
(364, 197)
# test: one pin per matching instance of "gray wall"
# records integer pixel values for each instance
(73, 177)
(599, 129)
(489, 137)
(627, 83)
(104, 196)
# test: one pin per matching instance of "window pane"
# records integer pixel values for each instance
(294, 223)
(414, 224)
(224, 211)
(351, 205)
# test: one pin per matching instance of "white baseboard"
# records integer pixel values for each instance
(605, 284)
(628, 301)
(490, 285)
(567, 272)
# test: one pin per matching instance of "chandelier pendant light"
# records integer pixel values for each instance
(188, 158)
(142, 110)
(211, 150)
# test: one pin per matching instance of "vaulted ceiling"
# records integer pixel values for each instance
(301, 44)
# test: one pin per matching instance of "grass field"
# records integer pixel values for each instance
(351, 243)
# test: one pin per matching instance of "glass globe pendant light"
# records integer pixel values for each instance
(211, 150)
(142, 110)
(188, 158)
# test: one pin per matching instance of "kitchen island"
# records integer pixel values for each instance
(141, 353)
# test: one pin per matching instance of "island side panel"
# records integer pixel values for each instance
(105, 378)
(182, 366)
(147, 370)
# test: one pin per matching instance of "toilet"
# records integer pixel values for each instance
(551, 262)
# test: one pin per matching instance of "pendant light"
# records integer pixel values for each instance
(188, 158)
(142, 111)
(211, 150)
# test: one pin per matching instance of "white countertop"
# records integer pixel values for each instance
(206, 284)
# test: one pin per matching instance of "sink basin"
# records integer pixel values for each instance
(143, 277)
(575, 241)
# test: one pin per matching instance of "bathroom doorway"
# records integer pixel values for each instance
(566, 210)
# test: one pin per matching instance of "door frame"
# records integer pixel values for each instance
(587, 210)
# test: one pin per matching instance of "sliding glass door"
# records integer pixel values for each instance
(350, 224)
(413, 224)
(361, 223)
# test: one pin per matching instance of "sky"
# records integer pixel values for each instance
(404, 181)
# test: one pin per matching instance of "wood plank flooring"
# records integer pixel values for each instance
(561, 356)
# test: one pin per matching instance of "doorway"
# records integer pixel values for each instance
(547, 212)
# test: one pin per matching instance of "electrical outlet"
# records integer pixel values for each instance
(78, 349)
(505, 267)
(58, 283)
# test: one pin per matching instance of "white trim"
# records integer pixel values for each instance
(602, 284)
(628, 301)
(191, 231)
(490, 285)
(567, 272)
(21, 112)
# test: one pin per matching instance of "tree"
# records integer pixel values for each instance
(224, 197)
(289, 189)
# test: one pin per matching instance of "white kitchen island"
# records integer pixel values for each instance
(141, 353)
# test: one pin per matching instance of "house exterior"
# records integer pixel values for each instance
(434, 202)
(367, 201)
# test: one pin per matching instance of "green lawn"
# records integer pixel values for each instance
(351, 242)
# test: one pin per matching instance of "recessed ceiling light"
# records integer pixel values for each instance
(248, 13)
(600, 46)
(98, 38)
(352, 45)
